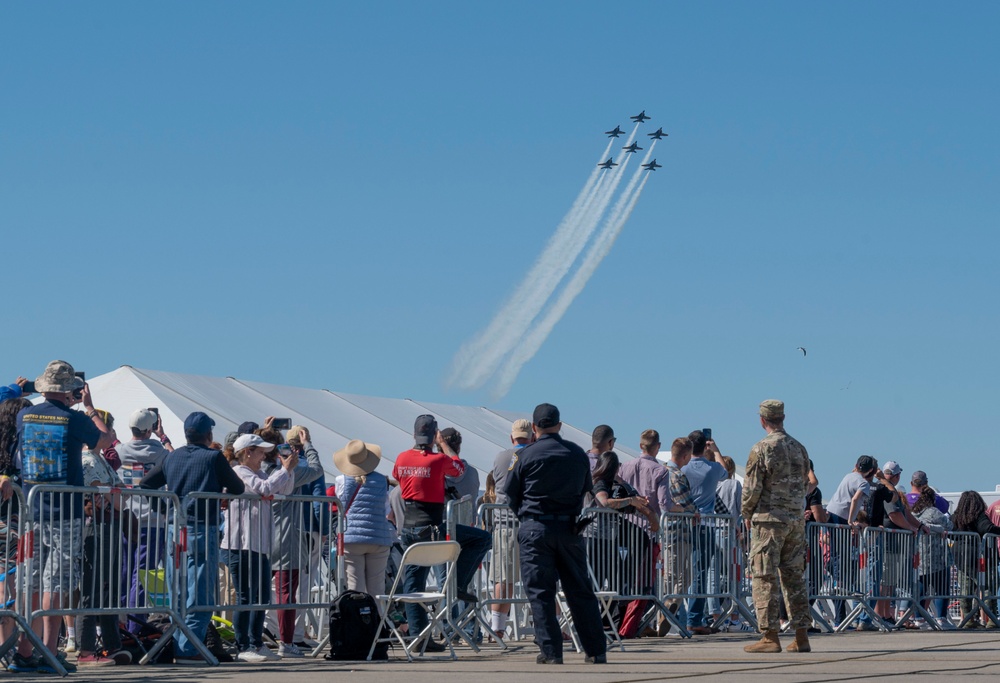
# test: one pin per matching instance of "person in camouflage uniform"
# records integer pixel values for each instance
(773, 491)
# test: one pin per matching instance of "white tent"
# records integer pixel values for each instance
(332, 418)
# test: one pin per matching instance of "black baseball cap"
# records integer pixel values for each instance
(424, 430)
(866, 464)
(247, 428)
(546, 415)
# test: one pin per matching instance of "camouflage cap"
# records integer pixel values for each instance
(772, 409)
(59, 378)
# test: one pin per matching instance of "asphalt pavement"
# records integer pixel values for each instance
(917, 655)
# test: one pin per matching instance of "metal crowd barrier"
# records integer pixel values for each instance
(690, 549)
(15, 520)
(79, 556)
(464, 623)
(503, 568)
(264, 548)
(837, 571)
(989, 581)
(938, 573)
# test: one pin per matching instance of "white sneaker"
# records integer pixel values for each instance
(267, 652)
(70, 645)
(251, 656)
(945, 624)
(290, 650)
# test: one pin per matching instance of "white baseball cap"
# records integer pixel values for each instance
(143, 419)
(249, 441)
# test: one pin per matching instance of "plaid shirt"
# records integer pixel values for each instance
(680, 489)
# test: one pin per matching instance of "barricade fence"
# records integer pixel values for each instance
(96, 552)
(247, 553)
(703, 560)
(129, 553)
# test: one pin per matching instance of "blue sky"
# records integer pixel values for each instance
(338, 195)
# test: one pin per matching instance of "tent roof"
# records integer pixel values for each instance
(332, 418)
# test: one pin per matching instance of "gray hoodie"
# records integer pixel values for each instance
(287, 551)
(138, 458)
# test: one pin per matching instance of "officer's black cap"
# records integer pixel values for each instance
(546, 415)
(424, 430)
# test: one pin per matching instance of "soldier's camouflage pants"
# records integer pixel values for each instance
(779, 549)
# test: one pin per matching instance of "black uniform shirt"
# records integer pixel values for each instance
(549, 477)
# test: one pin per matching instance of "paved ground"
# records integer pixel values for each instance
(919, 656)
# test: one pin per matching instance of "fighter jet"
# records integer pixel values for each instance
(652, 166)
(658, 134)
(608, 164)
(633, 148)
(614, 133)
(640, 117)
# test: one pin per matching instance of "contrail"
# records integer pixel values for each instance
(533, 341)
(479, 359)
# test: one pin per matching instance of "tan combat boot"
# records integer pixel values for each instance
(801, 643)
(768, 643)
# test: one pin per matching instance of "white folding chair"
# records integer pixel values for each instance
(434, 603)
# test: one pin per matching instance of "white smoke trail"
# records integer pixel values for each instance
(477, 360)
(533, 341)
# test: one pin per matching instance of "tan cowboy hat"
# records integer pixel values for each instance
(357, 458)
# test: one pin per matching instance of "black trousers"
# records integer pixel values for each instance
(550, 552)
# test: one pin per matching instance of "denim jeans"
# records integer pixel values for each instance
(475, 544)
(202, 574)
(250, 573)
(704, 551)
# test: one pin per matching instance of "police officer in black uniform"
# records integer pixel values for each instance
(546, 486)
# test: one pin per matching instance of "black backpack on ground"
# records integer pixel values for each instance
(354, 621)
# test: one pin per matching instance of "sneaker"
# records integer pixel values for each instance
(268, 653)
(542, 659)
(70, 645)
(121, 657)
(94, 659)
(597, 659)
(45, 668)
(289, 650)
(865, 626)
(432, 646)
(252, 656)
(23, 665)
(945, 624)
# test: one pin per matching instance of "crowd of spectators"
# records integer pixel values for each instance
(253, 551)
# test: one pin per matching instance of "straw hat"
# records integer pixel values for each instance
(357, 458)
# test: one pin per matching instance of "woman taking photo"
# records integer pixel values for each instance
(246, 543)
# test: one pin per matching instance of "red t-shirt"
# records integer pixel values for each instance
(421, 474)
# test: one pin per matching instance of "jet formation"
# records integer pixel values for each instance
(634, 147)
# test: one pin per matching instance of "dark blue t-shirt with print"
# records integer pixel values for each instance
(51, 439)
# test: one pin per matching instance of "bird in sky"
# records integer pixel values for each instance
(799, 348)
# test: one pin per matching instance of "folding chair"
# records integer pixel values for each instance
(434, 603)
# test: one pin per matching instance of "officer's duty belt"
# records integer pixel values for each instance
(550, 518)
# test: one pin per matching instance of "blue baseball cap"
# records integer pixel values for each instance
(198, 423)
